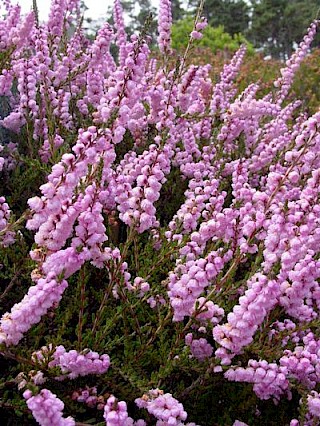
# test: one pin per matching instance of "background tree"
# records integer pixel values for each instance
(145, 10)
(278, 24)
(233, 15)
(177, 10)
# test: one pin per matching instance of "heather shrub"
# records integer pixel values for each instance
(159, 231)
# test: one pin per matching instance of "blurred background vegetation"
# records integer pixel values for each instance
(271, 29)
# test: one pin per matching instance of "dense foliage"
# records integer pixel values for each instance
(159, 230)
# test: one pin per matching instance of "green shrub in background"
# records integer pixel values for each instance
(214, 38)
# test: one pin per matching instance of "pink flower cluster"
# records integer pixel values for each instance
(166, 409)
(243, 322)
(292, 64)
(200, 348)
(116, 414)
(136, 206)
(314, 404)
(164, 26)
(303, 363)
(72, 363)
(189, 281)
(42, 296)
(7, 237)
(200, 26)
(269, 379)
(47, 409)
(89, 396)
